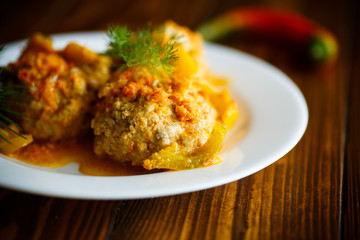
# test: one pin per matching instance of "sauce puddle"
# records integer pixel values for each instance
(55, 155)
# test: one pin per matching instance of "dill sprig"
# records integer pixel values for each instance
(143, 47)
(6, 93)
(1, 49)
(9, 92)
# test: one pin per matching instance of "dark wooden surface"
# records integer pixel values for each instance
(313, 192)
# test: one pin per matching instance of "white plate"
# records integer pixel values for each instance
(278, 113)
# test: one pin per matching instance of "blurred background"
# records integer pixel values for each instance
(20, 18)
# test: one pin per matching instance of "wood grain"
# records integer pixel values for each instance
(24, 216)
(298, 197)
(351, 218)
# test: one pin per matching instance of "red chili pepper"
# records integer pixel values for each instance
(318, 43)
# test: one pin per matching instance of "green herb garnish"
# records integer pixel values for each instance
(9, 92)
(1, 49)
(143, 47)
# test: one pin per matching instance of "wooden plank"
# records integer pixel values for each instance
(351, 219)
(26, 216)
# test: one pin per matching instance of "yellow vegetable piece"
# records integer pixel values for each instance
(226, 108)
(79, 54)
(223, 103)
(16, 142)
(176, 157)
(185, 65)
(218, 81)
(230, 115)
(41, 42)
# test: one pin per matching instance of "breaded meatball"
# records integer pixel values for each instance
(140, 114)
(59, 91)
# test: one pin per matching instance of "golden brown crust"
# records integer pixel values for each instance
(141, 114)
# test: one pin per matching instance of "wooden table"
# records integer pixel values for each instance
(312, 192)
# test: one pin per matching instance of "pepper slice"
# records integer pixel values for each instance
(13, 142)
(318, 43)
(176, 157)
(185, 65)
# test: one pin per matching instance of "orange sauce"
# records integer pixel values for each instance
(54, 155)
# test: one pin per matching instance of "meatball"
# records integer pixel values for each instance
(139, 114)
(60, 93)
